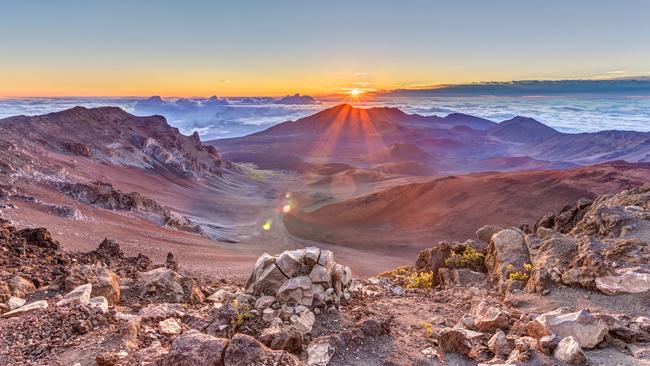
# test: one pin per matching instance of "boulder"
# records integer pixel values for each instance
(485, 233)
(461, 277)
(266, 278)
(506, 250)
(195, 349)
(245, 350)
(585, 328)
(569, 351)
(628, 282)
(453, 340)
(308, 276)
(431, 260)
(79, 295)
(160, 311)
(296, 291)
(107, 284)
(31, 307)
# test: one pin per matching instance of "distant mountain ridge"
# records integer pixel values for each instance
(457, 143)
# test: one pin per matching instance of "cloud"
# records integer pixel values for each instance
(360, 74)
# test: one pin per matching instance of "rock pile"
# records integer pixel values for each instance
(308, 277)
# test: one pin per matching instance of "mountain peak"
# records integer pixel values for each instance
(523, 129)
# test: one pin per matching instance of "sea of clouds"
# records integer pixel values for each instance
(215, 118)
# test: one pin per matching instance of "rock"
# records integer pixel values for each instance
(431, 260)
(169, 327)
(5, 291)
(244, 350)
(290, 262)
(398, 290)
(485, 233)
(296, 291)
(550, 257)
(499, 344)
(171, 263)
(375, 327)
(100, 303)
(264, 302)
(277, 337)
(319, 353)
(452, 340)
(31, 307)
(196, 349)
(269, 314)
(320, 275)
(586, 329)
(221, 296)
(79, 295)
(461, 277)
(626, 283)
(160, 311)
(506, 250)
(548, 343)
(303, 323)
(489, 318)
(21, 287)
(639, 351)
(569, 351)
(15, 302)
(266, 277)
(107, 284)
(164, 284)
(129, 329)
(107, 359)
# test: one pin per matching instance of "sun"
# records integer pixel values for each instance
(355, 92)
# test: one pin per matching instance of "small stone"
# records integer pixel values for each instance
(170, 327)
(107, 359)
(15, 302)
(398, 290)
(569, 351)
(548, 343)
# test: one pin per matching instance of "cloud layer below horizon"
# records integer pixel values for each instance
(569, 106)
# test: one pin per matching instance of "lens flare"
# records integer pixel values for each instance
(267, 225)
(286, 208)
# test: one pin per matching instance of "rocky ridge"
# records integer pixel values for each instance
(568, 289)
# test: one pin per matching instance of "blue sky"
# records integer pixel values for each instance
(317, 47)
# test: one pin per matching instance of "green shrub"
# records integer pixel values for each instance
(420, 280)
(428, 328)
(469, 258)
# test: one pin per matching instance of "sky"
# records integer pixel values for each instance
(243, 48)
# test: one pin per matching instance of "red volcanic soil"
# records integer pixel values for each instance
(402, 220)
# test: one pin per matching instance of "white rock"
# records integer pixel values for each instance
(36, 305)
(15, 302)
(80, 295)
(586, 329)
(626, 283)
(319, 353)
(169, 327)
(569, 351)
(269, 314)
